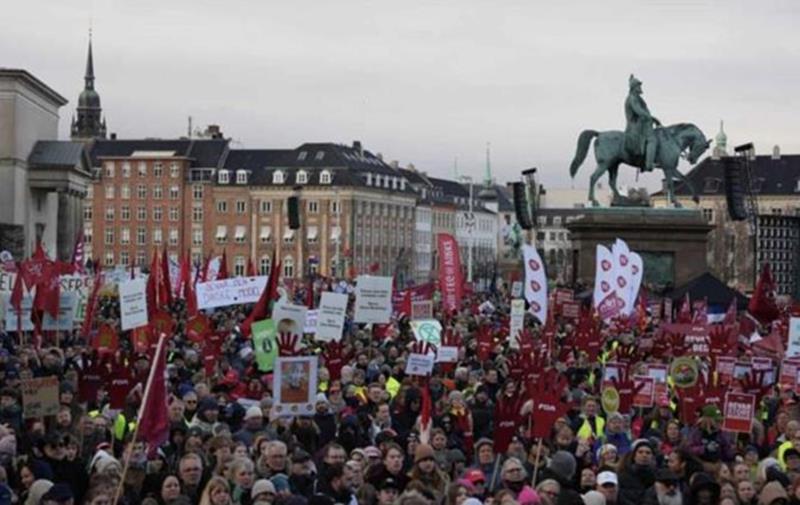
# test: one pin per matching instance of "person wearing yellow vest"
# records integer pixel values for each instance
(590, 425)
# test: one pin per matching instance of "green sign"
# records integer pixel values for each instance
(428, 330)
(265, 344)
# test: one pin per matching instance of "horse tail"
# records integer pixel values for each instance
(584, 139)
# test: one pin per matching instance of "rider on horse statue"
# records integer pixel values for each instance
(640, 138)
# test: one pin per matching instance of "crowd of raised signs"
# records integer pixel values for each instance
(446, 408)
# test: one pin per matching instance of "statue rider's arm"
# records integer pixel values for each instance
(640, 108)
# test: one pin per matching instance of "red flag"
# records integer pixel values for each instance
(251, 268)
(188, 289)
(222, 273)
(425, 417)
(203, 277)
(185, 276)
(152, 288)
(153, 417)
(373, 268)
(762, 304)
(166, 285)
(261, 309)
(730, 314)
(685, 312)
(78, 258)
(88, 316)
(310, 294)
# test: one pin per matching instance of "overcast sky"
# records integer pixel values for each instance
(422, 82)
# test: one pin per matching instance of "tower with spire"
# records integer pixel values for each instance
(90, 123)
(720, 143)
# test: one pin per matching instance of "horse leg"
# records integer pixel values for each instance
(598, 172)
(613, 169)
(668, 174)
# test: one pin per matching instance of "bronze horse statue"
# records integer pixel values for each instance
(609, 151)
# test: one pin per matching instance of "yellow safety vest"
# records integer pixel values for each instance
(586, 431)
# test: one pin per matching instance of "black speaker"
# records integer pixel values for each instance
(521, 206)
(735, 190)
(293, 203)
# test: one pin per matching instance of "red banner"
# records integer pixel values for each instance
(414, 294)
(739, 411)
(450, 281)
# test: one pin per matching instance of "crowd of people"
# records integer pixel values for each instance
(365, 442)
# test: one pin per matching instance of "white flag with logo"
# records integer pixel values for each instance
(535, 282)
(637, 271)
(622, 274)
(604, 280)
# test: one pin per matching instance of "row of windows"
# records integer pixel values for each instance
(141, 169)
(386, 210)
(157, 236)
(278, 177)
(141, 213)
(265, 206)
(157, 192)
(239, 262)
(386, 181)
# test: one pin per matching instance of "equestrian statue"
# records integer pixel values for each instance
(645, 144)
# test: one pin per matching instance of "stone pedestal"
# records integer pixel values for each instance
(672, 242)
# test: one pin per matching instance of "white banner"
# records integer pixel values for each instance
(447, 354)
(133, 304)
(792, 350)
(603, 275)
(311, 321)
(517, 321)
(637, 272)
(75, 282)
(330, 321)
(622, 274)
(516, 289)
(373, 299)
(66, 314)
(420, 364)
(535, 282)
(232, 291)
(11, 315)
(289, 318)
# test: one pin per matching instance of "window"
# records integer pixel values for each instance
(125, 236)
(241, 234)
(288, 267)
(141, 213)
(302, 177)
(109, 172)
(302, 156)
(197, 214)
(174, 170)
(319, 156)
(556, 220)
(124, 192)
(222, 206)
(110, 192)
(239, 266)
(710, 185)
(313, 207)
(173, 213)
(125, 213)
(241, 206)
(140, 257)
(708, 215)
(142, 169)
(277, 177)
(197, 237)
(109, 239)
(158, 169)
(158, 192)
(173, 236)
(87, 235)
(109, 259)
(157, 236)
(89, 192)
(552, 235)
(311, 234)
(141, 235)
(141, 191)
(223, 177)
(288, 236)
(241, 177)
(126, 170)
(325, 176)
(197, 192)
(264, 265)
(109, 213)
(777, 211)
(378, 180)
(174, 192)
(87, 212)
(158, 212)
(266, 206)
(335, 207)
(265, 235)
(369, 179)
(222, 234)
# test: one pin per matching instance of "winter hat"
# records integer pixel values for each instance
(262, 486)
(563, 463)
(771, 492)
(423, 451)
(640, 442)
(37, 490)
(253, 412)
(321, 398)
(472, 501)
(529, 497)
(280, 482)
(594, 498)
(40, 469)
(8, 445)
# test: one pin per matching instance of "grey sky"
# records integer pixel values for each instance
(421, 81)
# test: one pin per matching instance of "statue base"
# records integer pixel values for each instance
(671, 242)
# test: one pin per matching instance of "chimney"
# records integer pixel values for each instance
(213, 131)
(379, 156)
(394, 164)
(776, 152)
(358, 148)
(412, 167)
(113, 136)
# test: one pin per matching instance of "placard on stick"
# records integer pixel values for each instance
(40, 397)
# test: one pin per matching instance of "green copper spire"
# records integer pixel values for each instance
(488, 180)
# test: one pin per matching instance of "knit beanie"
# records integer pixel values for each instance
(563, 463)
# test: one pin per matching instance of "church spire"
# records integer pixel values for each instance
(90, 123)
(488, 178)
(89, 76)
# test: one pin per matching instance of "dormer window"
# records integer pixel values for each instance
(325, 176)
(302, 156)
(223, 177)
(302, 177)
(386, 181)
(277, 177)
(403, 186)
(394, 182)
(319, 156)
(711, 185)
(378, 181)
(241, 177)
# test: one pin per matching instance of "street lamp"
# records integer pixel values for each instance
(470, 221)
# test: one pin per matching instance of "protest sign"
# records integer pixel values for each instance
(793, 346)
(40, 397)
(133, 303)
(516, 289)
(26, 308)
(646, 395)
(422, 309)
(289, 318)
(330, 320)
(264, 344)
(788, 376)
(66, 314)
(373, 299)
(684, 372)
(761, 364)
(447, 354)
(310, 325)
(419, 364)
(428, 330)
(233, 291)
(295, 385)
(696, 337)
(517, 321)
(571, 310)
(739, 411)
(659, 374)
(451, 283)
(725, 366)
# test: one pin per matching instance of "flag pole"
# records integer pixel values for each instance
(127, 462)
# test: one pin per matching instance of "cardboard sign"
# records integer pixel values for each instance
(429, 330)
(289, 318)
(40, 397)
(793, 346)
(764, 365)
(788, 376)
(66, 314)
(373, 300)
(646, 396)
(725, 366)
(696, 337)
(419, 364)
(295, 385)
(422, 309)
(233, 291)
(264, 344)
(571, 310)
(26, 308)
(310, 325)
(447, 354)
(659, 373)
(133, 303)
(517, 321)
(738, 411)
(330, 319)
